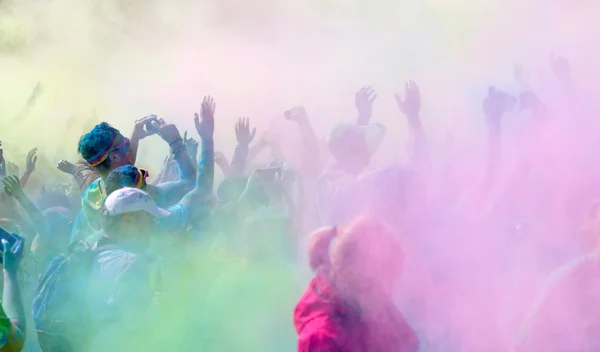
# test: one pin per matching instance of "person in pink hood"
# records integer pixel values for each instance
(348, 305)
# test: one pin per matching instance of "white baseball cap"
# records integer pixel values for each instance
(129, 200)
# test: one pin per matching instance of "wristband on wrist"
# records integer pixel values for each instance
(175, 142)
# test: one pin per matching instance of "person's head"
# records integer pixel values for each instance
(130, 216)
(104, 148)
(125, 176)
(362, 258)
(352, 146)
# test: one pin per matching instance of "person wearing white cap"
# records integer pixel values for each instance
(121, 294)
(123, 283)
(131, 215)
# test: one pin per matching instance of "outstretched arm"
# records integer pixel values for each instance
(171, 192)
(494, 106)
(244, 137)
(411, 108)
(205, 126)
(311, 161)
(363, 99)
(223, 163)
(13, 188)
(30, 166)
(141, 130)
(11, 298)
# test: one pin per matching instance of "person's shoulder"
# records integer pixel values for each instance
(118, 262)
(319, 340)
(93, 197)
(93, 187)
(567, 283)
(575, 266)
(317, 314)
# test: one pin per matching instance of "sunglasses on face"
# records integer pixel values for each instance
(125, 146)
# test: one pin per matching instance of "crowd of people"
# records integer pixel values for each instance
(319, 253)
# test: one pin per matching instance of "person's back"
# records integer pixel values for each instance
(565, 316)
(120, 298)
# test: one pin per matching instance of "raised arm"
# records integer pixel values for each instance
(494, 106)
(311, 160)
(191, 145)
(11, 297)
(30, 166)
(169, 193)
(244, 137)
(205, 126)
(363, 99)
(410, 106)
(82, 176)
(223, 163)
(141, 129)
(13, 188)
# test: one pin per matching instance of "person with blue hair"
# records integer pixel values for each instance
(129, 176)
(197, 203)
(105, 149)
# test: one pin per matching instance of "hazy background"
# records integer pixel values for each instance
(119, 60)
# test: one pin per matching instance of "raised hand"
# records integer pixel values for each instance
(242, 131)
(297, 114)
(12, 186)
(67, 167)
(205, 123)
(31, 160)
(191, 145)
(220, 158)
(223, 163)
(143, 127)
(363, 99)
(411, 104)
(12, 169)
(168, 132)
